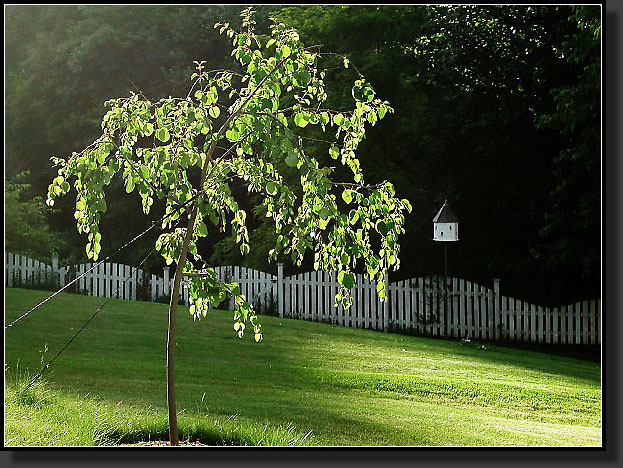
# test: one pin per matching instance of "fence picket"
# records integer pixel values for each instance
(482, 311)
(593, 335)
(299, 296)
(599, 314)
(585, 313)
(330, 292)
(317, 284)
(318, 293)
(410, 304)
(24, 270)
(9, 262)
(532, 323)
(570, 338)
(35, 273)
(469, 322)
(525, 317)
(563, 324)
(451, 314)
(510, 310)
(555, 324)
(286, 297)
(326, 296)
(110, 280)
(548, 329)
(400, 304)
(313, 297)
(108, 275)
(100, 281)
(578, 323)
(540, 324)
(367, 316)
(101, 291)
(110, 283)
(526, 321)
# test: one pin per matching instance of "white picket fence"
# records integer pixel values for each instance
(460, 309)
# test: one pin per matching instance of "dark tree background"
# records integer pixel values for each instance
(497, 109)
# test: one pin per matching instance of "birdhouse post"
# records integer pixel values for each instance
(445, 229)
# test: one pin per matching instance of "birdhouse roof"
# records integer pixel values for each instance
(445, 215)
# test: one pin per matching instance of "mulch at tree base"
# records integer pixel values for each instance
(164, 443)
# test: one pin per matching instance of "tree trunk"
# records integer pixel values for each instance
(173, 431)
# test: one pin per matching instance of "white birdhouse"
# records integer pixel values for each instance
(446, 225)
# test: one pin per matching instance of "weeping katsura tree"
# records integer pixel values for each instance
(237, 128)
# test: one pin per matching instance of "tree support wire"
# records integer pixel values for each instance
(38, 375)
(78, 277)
(153, 224)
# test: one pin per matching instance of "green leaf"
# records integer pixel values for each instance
(346, 279)
(353, 216)
(292, 160)
(232, 134)
(214, 112)
(369, 93)
(129, 184)
(334, 152)
(271, 188)
(162, 134)
(382, 228)
(301, 120)
(347, 195)
(407, 204)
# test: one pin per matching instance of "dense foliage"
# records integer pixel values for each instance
(496, 108)
(28, 232)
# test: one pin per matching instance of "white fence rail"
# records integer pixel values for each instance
(425, 306)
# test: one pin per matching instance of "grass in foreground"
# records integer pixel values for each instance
(346, 386)
(44, 416)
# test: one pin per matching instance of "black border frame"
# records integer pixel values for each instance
(608, 454)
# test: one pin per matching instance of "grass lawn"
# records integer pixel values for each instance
(347, 386)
